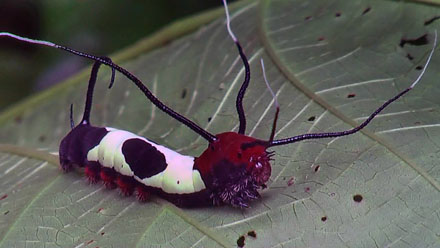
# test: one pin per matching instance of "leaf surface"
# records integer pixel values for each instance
(335, 61)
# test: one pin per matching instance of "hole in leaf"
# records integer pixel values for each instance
(317, 168)
(422, 40)
(307, 189)
(240, 241)
(419, 67)
(311, 118)
(357, 198)
(324, 218)
(433, 19)
(366, 10)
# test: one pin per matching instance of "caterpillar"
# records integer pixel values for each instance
(231, 171)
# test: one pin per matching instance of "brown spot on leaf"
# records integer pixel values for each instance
(366, 10)
(183, 95)
(358, 198)
(252, 233)
(240, 241)
(419, 41)
(291, 181)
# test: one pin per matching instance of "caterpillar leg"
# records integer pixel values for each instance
(125, 184)
(65, 164)
(66, 167)
(92, 173)
(108, 177)
(142, 193)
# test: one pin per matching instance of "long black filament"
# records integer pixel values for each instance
(205, 134)
(247, 75)
(336, 134)
(208, 136)
(275, 101)
(92, 81)
(242, 91)
(72, 123)
(363, 124)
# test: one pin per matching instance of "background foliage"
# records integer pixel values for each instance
(97, 26)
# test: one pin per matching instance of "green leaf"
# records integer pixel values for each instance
(317, 53)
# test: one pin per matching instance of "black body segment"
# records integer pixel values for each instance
(143, 158)
(75, 146)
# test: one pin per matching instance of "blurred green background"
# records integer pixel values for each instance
(95, 26)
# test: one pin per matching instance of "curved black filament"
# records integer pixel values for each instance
(205, 134)
(363, 124)
(89, 97)
(336, 134)
(242, 91)
(72, 123)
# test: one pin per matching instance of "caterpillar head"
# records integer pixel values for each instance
(234, 167)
